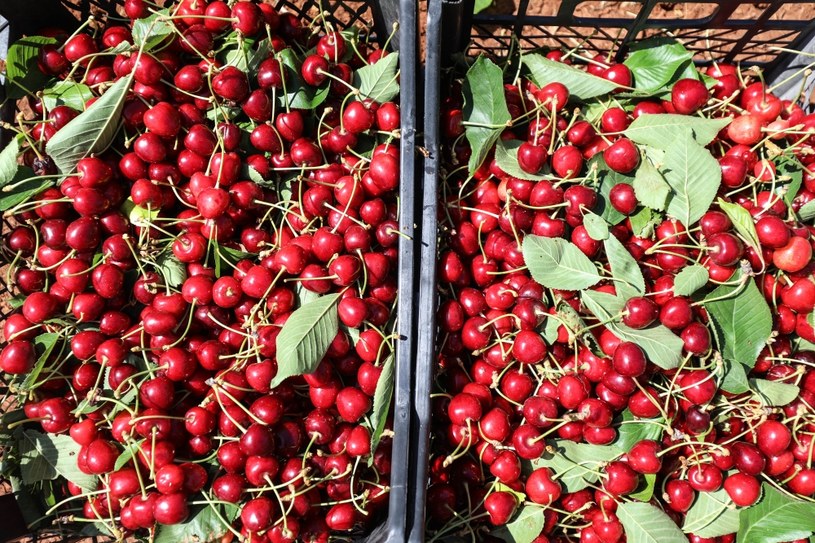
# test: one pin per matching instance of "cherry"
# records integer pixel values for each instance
(18, 357)
(620, 479)
(500, 506)
(773, 438)
(622, 156)
(531, 157)
(794, 255)
(688, 96)
(640, 312)
(705, 477)
(644, 457)
(743, 489)
(623, 198)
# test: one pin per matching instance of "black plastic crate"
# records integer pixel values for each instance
(379, 17)
(738, 31)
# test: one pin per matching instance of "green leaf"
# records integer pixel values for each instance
(572, 321)
(22, 70)
(379, 81)
(172, 269)
(645, 491)
(742, 316)
(304, 339)
(45, 457)
(650, 187)
(694, 177)
(632, 430)
(524, 527)
(206, 523)
(23, 191)
(607, 178)
(582, 85)
(481, 5)
(807, 211)
(304, 295)
(690, 279)
(576, 464)
(8, 162)
(138, 215)
(383, 395)
(624, 269)
(66, 93)
(644, 523)
(713, 514)
(485, 108)
(643, 222)
(776, 517)
(596, 226)
(131, 449)
(557, 263)
(151, 31)
(45, 343)
(734, 378)
(91, 131)
(790, 168)
(506, 155)
(660, 129)
(654, 62)
(742, 221)
(663, 347)
(298, 95)
(773, 393)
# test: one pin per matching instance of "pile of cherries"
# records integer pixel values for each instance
(168, 264)
(504, 392)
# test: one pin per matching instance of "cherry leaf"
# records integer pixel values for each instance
(632, 430)
(91, 131)
(663, 347)
(774, 393)
(690, 279)
(151, 31)
(742, 318)
(658, 130)
(607, 178)
(45, 457)
(383, 396)
(742, 222)
(205, 523)
(713, 514)
(485, 109)
(66, 93)
(596, 226)
(45, 344)
(379, 81)
(305, 338)
(557, 263)
(576, 464)
(734, 377)
(776, 517)
(654, 62)
(694, 177)
(644, 523)
(506, 155)
(524, 527)
(22, 69)
(643, 222)
(298, 94)
(581, 84)
(8, 162)
(807, 211)
(645, 490)
(626, 272)
(650, 187)
(790, 168)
